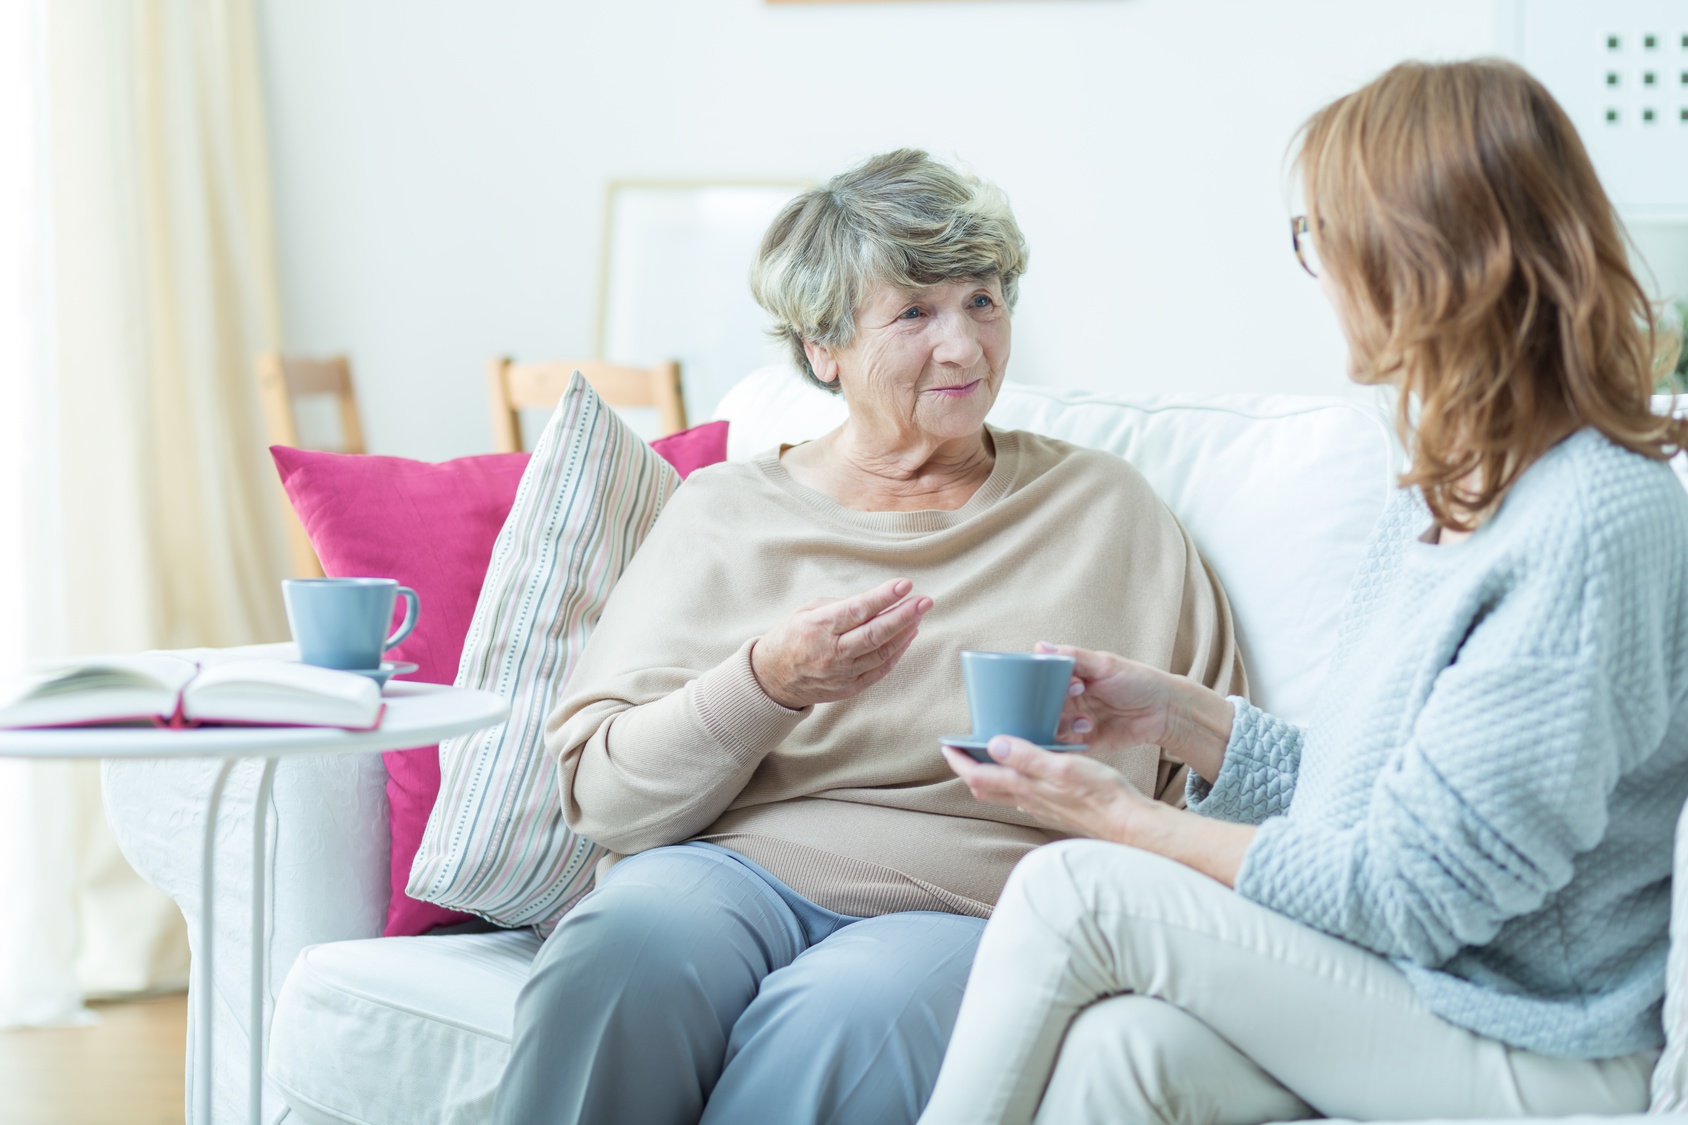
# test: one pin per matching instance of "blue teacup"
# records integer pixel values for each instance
(343, 622)
(1016, 693)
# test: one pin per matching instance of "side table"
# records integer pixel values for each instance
(417, 714)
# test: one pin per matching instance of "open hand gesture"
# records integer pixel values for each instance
(833, 649)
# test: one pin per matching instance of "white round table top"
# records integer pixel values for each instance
(417, 714)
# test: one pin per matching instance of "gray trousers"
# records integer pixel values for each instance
(694, 986)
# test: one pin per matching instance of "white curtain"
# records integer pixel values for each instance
(137, 279)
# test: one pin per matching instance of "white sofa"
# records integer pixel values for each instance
(1279, 493)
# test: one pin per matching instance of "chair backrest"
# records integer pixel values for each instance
(515, 387)
(282, 380)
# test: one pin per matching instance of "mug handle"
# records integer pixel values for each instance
(412, 610)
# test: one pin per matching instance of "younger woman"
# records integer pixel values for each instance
(1448, 895)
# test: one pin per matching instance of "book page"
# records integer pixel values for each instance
(95, 689)
(282, 693)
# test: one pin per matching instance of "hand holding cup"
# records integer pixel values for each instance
(1111, 701)
(1116, 703)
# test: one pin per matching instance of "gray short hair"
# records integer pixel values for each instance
(900, 219)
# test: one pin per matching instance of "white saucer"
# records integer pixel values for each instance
(975, 747)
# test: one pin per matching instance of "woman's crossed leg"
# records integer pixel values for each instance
(1158, 989)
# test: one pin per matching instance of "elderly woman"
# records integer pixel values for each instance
(1448, 896)
(789, 935)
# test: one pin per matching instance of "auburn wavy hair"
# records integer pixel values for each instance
(1482, 271)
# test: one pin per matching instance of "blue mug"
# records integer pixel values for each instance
(342, 622)
(1016, 693)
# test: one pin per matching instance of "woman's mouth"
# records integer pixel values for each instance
(955, 390)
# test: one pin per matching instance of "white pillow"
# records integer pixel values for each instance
(496, 844)
(1280, 493)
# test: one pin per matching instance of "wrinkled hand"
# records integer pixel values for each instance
(834, 649)
(1068, 792)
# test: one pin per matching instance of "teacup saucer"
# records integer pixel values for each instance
(975, 746)
(387, 671)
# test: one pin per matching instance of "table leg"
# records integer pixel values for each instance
(202, 956)
(260, 945)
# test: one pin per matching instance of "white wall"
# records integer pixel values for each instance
(440, 166)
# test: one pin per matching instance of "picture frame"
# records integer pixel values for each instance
(674, 278)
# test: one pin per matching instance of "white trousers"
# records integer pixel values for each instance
(1113, 985)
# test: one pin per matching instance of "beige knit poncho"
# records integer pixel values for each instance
(665, 736)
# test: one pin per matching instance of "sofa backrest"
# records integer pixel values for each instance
(1280, 493)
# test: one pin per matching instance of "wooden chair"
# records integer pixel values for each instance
(516, 387)
(281, 380)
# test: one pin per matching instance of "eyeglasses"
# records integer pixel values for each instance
(1305, 251)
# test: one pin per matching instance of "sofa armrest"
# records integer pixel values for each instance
(325, 855)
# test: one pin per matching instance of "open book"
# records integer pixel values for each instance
(173, 692)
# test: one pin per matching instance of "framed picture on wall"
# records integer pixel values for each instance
(675, 279)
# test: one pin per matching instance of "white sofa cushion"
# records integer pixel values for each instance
(1279, 492)
(396, 1031)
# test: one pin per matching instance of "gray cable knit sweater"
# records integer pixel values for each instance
(1487, 791)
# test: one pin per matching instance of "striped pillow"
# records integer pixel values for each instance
(1670, 1076)
(496, 844)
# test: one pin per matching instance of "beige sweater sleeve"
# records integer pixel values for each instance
(721, 724)
(662, 721)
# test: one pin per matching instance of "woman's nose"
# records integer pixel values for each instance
(958, 340)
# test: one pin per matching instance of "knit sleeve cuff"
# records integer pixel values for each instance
(731, 705)
(1257, 778)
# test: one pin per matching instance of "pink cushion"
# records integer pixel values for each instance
(431, 527)
(694, 448)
